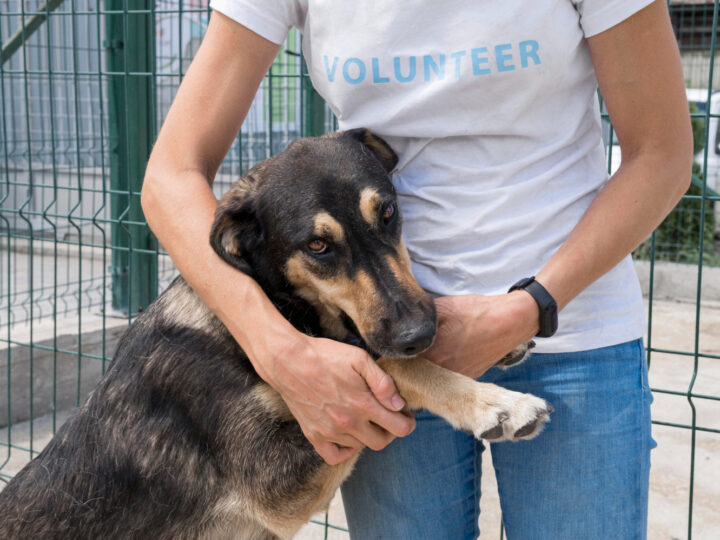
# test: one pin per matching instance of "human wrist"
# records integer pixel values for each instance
(524, 312)
(516, 312)
(270, 347)
(257, 326)
(274, 347)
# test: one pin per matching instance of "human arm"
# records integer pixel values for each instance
(638, 69)
(334, 390)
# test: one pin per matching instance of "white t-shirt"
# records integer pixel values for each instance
(492, 109)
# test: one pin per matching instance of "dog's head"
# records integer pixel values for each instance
(320, 221)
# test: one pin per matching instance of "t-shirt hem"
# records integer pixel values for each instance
(611, 15)
(588, 340)
(253, 19)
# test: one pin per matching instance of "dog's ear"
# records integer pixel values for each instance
(376, 145)
(236, 234)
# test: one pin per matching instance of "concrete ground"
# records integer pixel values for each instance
(673, 328)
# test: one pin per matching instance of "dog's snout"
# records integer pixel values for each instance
(413, 341)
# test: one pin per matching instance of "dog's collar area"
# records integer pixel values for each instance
(353, 339)
(288, 304)
(353, 335)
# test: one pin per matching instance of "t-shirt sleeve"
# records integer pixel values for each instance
(271, 19)
(598, 15)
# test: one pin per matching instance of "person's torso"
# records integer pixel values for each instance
(493, 111)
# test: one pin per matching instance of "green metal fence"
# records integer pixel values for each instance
(84, 86)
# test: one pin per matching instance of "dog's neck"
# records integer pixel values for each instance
(300, 313)
(306, 319)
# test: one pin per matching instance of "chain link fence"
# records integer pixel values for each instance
(84, 87)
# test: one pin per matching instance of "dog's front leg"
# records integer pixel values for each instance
(485, 410)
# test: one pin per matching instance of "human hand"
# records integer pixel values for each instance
(476, 331)
(340, 397)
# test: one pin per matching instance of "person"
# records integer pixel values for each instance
(493, 112)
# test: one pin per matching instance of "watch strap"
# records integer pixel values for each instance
(546, 303)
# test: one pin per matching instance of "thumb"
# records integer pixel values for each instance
(381, 384)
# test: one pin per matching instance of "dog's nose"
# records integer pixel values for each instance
(416, 340)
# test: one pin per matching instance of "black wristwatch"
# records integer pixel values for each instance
(546, 303)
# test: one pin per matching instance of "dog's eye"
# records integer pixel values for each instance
(318, 246)
(389, 212)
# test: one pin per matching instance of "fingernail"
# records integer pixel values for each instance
(397, 402)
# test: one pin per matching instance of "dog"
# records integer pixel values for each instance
(182, 439)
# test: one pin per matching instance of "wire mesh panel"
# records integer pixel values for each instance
(683, 336)
(81, 83)
(84, 87)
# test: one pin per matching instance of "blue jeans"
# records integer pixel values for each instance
(585, 476)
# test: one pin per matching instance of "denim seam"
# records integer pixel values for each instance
(476, 489)
(639, 473)
(642, 500)
(644, 381)
(645, 449)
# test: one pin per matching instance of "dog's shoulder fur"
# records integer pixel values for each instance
(156, 444)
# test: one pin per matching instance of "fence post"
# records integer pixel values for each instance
(313, 107)
(130, 57)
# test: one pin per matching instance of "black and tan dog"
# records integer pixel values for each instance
(182, 439)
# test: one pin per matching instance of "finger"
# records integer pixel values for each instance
(334, 454)
(346, 441)
(397, 423)
(380, 383)
(373, 436)
(342, 440)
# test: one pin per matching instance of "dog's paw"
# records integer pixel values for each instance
(513, 417)
(516, 356)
